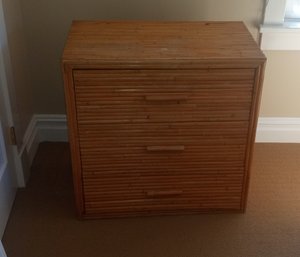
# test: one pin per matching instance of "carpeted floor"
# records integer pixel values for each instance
(43, 221)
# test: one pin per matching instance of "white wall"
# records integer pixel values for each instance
(281, 91)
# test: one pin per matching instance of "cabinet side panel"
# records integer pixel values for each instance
(73, 138)
(257, 90)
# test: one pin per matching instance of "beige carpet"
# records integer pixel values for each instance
(43, 221)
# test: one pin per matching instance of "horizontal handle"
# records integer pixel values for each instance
(162, 98)
(163, 193)
(168, 148)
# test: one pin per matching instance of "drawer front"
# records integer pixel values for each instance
(113, 147)
(123, 193)
(104, 96)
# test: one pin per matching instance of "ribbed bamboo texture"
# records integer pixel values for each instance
(162, 117)
(151, 139)
(159, 96)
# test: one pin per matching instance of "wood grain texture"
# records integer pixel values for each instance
(148, 41)
(162, 115)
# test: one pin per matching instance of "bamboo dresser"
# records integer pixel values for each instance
(161, 115)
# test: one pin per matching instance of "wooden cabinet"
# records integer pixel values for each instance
(162, 115)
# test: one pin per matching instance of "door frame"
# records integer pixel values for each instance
(12, 175)
(9, 102)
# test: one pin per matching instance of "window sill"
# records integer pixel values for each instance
(284, 36)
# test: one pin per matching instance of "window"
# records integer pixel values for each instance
(281, 26)
(292, 10)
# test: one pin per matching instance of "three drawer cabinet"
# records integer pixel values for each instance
(161, 115)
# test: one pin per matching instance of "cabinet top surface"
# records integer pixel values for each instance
(140, 41)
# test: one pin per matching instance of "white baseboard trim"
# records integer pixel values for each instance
(42, 128)
(278, 130)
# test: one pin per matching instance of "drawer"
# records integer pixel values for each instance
(117, 193)
(164, 147)
(104, 96)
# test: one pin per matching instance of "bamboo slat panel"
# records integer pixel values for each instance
(111, 176)
(179, 192)
(163, 95)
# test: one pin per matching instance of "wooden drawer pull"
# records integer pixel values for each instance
(163, 193)
(169, 148)
(167, 98)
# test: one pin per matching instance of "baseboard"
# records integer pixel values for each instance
(53, 128)
(278, 130)
(44, 127)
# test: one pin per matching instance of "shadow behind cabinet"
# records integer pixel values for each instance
(162, 115)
